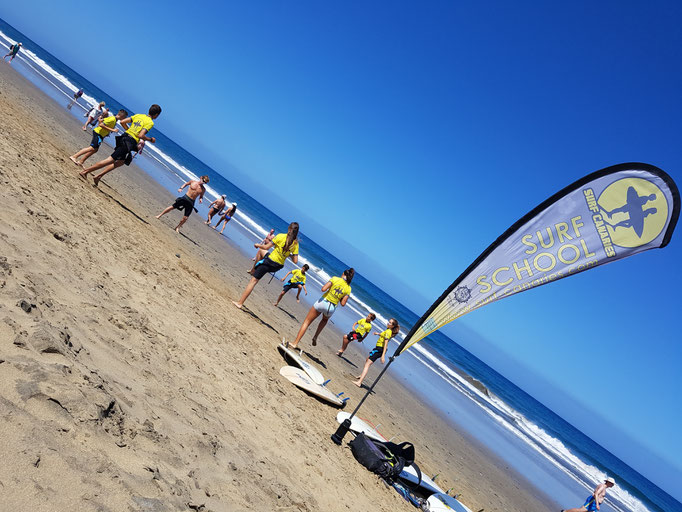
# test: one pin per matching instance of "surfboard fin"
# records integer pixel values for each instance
(326, 382)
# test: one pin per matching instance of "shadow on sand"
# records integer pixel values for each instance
(119, 202)
(263, 322)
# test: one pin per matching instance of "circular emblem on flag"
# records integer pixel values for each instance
(462, 294)
(635, 211)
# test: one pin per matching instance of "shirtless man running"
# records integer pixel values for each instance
(186, 202)
(594, 501)
(215, 208)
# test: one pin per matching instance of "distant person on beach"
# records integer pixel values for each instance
(13, 50)
(336, 291)
(360, 331)
(392, 330)
(128, 143)
(283, 247)
(215, 208)
(225, 217)
(186, 202)
(261, 253)
(594, 500)
(297, 281)
(94, 114)
(106, 126)
(76, 95)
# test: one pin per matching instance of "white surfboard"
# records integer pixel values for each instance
(360, 425)
(409, 474)
(295, 357)
(301, 379)
(442, 502)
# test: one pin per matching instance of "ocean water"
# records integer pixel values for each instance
(528, 436)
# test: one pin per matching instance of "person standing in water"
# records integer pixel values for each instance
(215, 208)
(336, 291)
(297, 281)
(283, 246)
(13, 50)
(186, 202)
(360, 331)
(76, 95)
(392, 329)
(594, 500)
(226, 217)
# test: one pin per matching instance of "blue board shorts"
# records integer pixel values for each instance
(590, 504)
(291, 286)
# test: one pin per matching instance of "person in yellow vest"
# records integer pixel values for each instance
(336, 291)
(283, 246)
(360, 331)
(297, 281)
(136, 129)
(105, 126)
(392, 329)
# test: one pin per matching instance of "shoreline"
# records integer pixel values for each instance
(200, 414)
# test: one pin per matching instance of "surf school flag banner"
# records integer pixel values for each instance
(604, 217)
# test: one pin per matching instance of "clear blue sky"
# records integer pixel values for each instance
(416, 133)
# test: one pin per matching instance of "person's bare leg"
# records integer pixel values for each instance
(344, 345)
(309, 318)
(247, 291)
(98, 165)
(88, 153)
(169, 209)
(259, 256)
(320, 326)
(182, 221)
(221, 231)
(218, 223)
(365, 370)
(107, 170)
(210, 216)
(280, 297)
(298, 294)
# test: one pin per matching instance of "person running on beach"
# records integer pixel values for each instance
(297, 281)
(106, 126)
(225, 217)
(186, 202)
(283, 247)
(13, 50)
(261, 253)
(594, 500)
(392, 329)
(128, 143)
(215, 208)
(360, 331)
(76, 95)
(94, 114)
(336, 291)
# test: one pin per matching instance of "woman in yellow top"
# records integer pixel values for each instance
(336, 291)
(283, 246)
(392, 329)
(360, 331)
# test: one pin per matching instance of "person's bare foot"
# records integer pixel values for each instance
(95, 181)
(73, 159)
(357, 383)
(83, 175)
(158, 216)
(298, 300)
(177, 230)
(237, 304)
(84, 128)
(314, 342)
(339, 353)
(276, 304)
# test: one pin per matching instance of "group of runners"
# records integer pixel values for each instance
(272, 253)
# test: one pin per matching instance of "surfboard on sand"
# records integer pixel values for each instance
(409, 474)
(360, 425)
(441, 502)
(294, 356)
(301, 379)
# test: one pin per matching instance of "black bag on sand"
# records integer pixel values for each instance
(384, 459)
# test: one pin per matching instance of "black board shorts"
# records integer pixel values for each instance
(125, 147)
(96, 140)
(375, 353)
(184, 203)
(354, 336)
(265, 266)
(291, 286)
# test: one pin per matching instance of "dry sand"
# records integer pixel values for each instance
(128, 381)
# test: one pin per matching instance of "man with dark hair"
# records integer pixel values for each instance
(136, 129)
(186, 202)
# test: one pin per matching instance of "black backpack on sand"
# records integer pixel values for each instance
(384, 459)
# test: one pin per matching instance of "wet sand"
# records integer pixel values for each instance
(128, 381)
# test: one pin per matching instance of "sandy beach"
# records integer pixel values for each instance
(128, 380)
